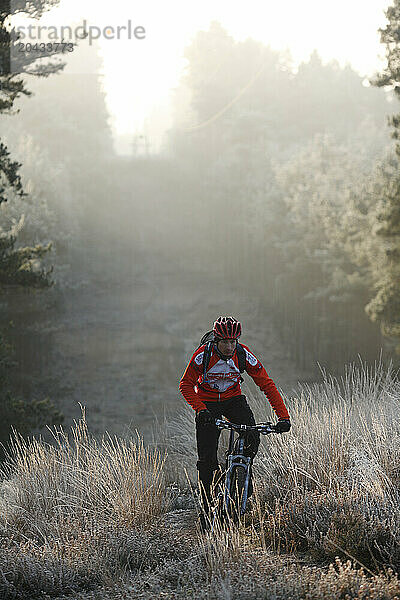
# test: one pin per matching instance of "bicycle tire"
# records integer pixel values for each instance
(238, 478)
(218, 508)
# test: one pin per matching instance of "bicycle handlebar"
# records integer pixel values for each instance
(263, 428)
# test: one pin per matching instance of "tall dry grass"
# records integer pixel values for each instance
(77, 513)
(331, 486)
(111, 519)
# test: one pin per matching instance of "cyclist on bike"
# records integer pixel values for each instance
(219, 393)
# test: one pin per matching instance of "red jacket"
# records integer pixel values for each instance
(223, 381)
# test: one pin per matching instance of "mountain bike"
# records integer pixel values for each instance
(231, 492)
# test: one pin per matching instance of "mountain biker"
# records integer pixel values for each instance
(219, 393)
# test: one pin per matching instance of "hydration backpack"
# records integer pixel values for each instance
(208, 339)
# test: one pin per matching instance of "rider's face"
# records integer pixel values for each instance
(227, 346)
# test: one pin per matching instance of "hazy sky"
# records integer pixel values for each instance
(139, 74)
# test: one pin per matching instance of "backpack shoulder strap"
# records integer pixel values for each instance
(206, 357)
(241, 354)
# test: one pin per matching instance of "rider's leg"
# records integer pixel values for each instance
(207, 437)
(237, 410)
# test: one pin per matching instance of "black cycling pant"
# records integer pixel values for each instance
(236, 410)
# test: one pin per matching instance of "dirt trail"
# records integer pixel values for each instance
(122, 351)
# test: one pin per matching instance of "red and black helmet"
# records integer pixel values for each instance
(227, 327)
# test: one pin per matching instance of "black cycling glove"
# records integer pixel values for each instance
(282, 426)
(204, 417)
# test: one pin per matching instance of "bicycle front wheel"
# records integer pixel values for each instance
(235, 500)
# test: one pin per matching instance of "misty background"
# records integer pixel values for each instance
(257, 192)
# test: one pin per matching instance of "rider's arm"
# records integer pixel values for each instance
(187, 384)
(256, 370)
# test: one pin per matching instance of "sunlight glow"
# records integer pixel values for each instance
(140, 74)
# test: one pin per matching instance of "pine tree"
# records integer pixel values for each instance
(19, 266)
(9, 177)
(385, 306)
(390, 36)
